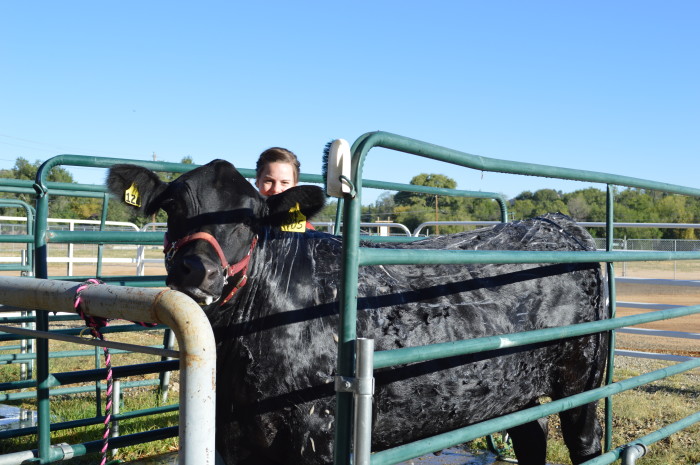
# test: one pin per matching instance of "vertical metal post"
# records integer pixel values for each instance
(98, 388)
(42, 324)
(71, 249)
(168, 343)
(100, 247)
(31, 345)
(612, 298)
(364, 379)
(675, 262)
(116, 407)
(338, 217)
(23, 350)
(347, 328)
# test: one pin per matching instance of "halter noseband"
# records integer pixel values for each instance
(171, 248)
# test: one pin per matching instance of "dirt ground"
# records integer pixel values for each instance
(660, 294)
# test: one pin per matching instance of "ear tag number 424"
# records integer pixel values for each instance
(297, 221)
(132, 197)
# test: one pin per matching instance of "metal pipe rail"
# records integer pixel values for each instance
(68, 336)
(182, 314)
(468, 433)
(355, 256)
(424, 149)
(26, 263)
(91, 421)
(368, 256)
(405, 355)
(586, 224)
(67, 452)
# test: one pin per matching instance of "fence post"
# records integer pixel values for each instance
(675, 262)
(69, 265)
(116, 408)
(364, 377)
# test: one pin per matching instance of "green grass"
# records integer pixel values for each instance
(641, 411)
(636, 413)
(83, 405)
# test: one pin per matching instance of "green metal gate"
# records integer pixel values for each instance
(356, 359)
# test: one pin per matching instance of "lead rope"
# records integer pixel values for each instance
(94, 324)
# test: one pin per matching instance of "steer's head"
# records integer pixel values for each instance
(214, 217)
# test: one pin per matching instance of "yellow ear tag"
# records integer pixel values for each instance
(132, 196)
(297, 221)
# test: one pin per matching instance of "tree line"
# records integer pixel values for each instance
(412, 209)
(589, 204)
(86, 208)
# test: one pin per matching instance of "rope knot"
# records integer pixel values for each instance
(92, 322)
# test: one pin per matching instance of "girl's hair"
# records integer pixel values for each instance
(277, 155)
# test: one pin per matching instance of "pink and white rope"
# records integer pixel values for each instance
(95, 323)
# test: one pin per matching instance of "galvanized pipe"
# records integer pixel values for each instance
(116, 407)
(168, 344)
(65, 451)
(182, 314)
(364, 391)
(632, 453)
(16, 458)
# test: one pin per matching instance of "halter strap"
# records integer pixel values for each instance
(171, 248)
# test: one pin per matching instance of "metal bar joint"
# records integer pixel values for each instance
(359, 386)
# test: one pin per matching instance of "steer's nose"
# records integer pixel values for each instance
(199, 272)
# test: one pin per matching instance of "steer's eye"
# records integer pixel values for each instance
(168, 205)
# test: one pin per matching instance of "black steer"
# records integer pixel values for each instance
(276, 333)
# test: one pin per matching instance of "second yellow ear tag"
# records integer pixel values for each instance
(132, 196)
(297, 221)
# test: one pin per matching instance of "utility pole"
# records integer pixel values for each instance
(153, 217)
(437, 228)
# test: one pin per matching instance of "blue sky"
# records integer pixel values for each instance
(609, 86)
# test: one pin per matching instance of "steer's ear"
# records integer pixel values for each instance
(311, 200)
(136, 186)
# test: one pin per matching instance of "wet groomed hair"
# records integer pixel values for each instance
(277, 155)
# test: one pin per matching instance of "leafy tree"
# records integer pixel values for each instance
(586, 204)
(529, 205)
(635, 206)
(428, 180)
(383, 207)
(24, 170)
(578, 208)
(675, 209)
(523, 209)
(481, 209)
(413, 208)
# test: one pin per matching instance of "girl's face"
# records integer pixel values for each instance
(275, 177)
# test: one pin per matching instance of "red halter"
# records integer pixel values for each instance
(170, 248)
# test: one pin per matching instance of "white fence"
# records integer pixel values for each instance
(138, 260)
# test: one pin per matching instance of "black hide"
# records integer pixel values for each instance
(276, 337)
